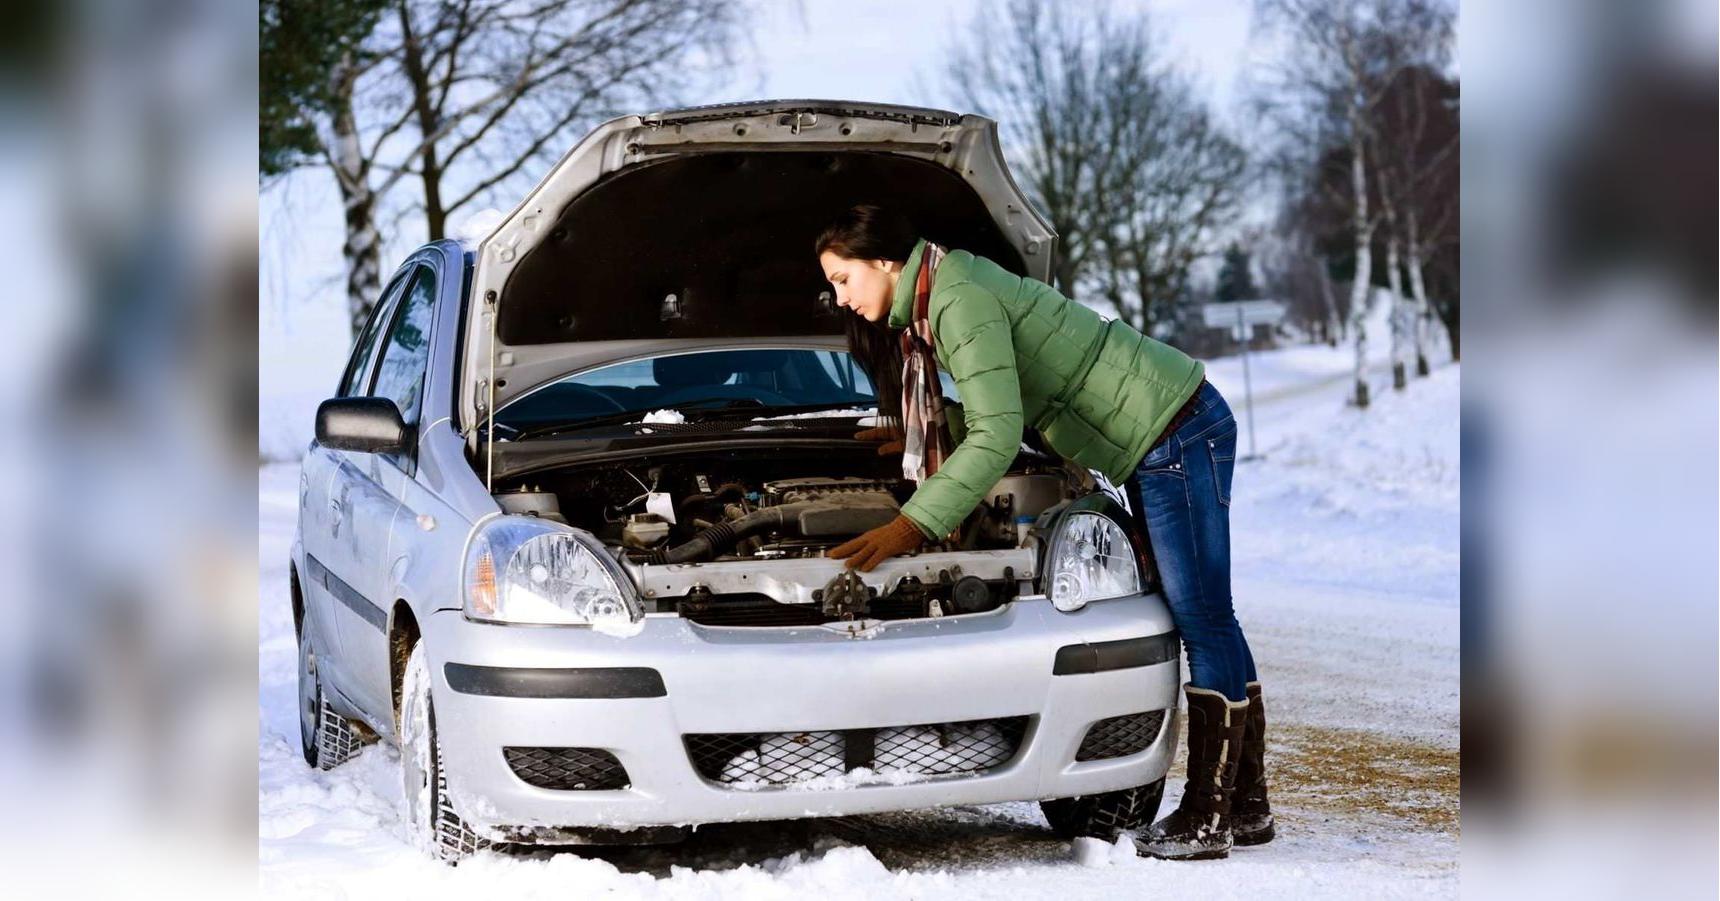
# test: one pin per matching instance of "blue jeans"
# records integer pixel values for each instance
(1182, 487)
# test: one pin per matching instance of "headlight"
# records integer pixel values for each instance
(1091, 559)
(521, 569)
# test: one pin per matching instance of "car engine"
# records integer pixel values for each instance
(720, 541)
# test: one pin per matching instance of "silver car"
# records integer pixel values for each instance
(562, 531)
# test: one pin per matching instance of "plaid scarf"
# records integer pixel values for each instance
(924, 441)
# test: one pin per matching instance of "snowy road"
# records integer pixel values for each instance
(1346, 579)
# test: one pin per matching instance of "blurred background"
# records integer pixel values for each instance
(155, 251)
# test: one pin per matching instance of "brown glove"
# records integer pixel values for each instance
(898, 536)
(889, 434)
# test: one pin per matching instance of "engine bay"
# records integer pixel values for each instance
(692, 529)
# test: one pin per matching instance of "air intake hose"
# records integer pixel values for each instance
(723, 536)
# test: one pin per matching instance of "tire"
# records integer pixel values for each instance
(326, 738)
(1105, 815)
(431, 823)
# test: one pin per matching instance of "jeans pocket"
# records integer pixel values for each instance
(1221, 448)
(1164, 458)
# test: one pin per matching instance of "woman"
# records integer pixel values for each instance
(1103, 395)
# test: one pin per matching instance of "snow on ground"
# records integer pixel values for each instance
(1346, 580)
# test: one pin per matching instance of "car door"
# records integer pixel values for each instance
(322, 514)
(370, 488)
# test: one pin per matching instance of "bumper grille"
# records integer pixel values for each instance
(762, 610)
(785, 758)
(1120, 736)
(567, 769)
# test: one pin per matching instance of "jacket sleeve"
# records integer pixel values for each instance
(974, 334)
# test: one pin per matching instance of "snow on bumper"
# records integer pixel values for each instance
(673, 679)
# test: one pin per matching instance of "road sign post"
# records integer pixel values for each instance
(1241, 316)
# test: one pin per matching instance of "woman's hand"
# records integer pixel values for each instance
(889, 434)
(898, 536)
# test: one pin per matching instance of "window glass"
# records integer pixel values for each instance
(364, 351)
(764, 378)
(400, 376)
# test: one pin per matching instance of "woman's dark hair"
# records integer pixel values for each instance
(869, 232)
(878, 350)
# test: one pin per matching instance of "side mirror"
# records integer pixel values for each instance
(368, 425)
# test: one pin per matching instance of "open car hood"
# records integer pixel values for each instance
(695, 227)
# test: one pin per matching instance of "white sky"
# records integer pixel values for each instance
(873, 50)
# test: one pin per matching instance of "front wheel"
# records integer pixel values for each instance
(1104, 815)
(431, 823)
(326, 738)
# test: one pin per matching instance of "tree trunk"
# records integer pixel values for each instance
(1359, 288)
(1449, 314)
(430, 166)
(1394, 279)
(1334, 324)
(1423, 311)
(1065, 276)
(362, 248)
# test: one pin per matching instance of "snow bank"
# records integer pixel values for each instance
(1345, 560)
(671, 417)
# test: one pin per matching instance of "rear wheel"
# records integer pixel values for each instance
(1104, 815)
(431, 822)
(326, 738)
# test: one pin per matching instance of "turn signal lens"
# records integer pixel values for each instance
(481, 585)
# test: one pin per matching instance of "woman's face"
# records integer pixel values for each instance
(863, 287)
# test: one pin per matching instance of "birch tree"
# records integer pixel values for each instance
(466, 100)
(1420, 138)
(1334, 76)
(1413, 152)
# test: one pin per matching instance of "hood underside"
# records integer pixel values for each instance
(729, 236)
(699, 224)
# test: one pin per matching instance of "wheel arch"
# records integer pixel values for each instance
(297, 594)
(403, 634)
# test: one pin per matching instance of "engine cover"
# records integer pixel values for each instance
(788, 491)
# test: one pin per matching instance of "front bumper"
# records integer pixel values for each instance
(770, 680)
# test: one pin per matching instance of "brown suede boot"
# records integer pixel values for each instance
(1251, 820)
(1199, 829)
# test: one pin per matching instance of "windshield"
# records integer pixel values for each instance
(755, 379)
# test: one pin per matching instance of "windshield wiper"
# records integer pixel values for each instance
(725, 406)
(625, 417)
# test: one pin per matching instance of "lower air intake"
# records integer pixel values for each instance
(787, 758)
(1120, 736)
(567, 769)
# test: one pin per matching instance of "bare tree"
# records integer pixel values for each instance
(466, 96)
(1412, 156)
(1329, 85)
(1178, 179)
(1296, 271)
(1030, 67)
(1110, 143)
(344, 153)
(1419, 140)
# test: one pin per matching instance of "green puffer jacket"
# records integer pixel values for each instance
(1013, 345)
